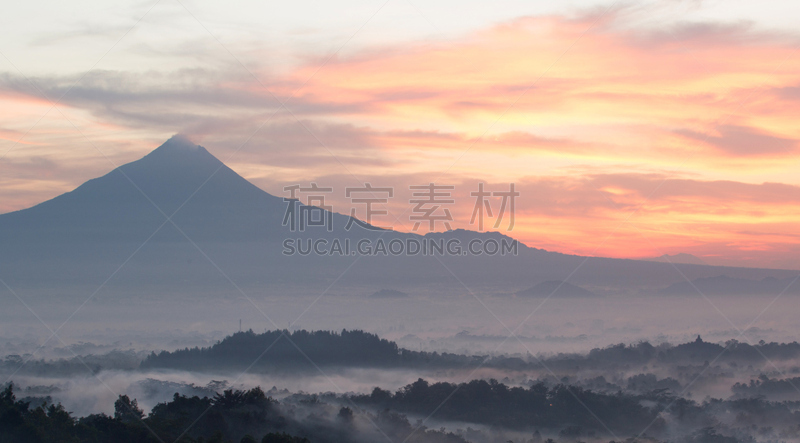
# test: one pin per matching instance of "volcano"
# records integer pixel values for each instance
(179, 218)
(179, 179)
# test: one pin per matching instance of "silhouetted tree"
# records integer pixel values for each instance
(127, 410)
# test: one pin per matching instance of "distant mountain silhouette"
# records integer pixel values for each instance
(684, 258)
(117, 225)
(130, 202)
(555, 288)
(724, 285)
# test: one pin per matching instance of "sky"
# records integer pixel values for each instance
(629, 129)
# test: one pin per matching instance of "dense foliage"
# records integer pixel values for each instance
(493, 403)
(184, 419)
(233, 416)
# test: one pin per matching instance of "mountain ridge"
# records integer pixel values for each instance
(680, 257)
(726, 285)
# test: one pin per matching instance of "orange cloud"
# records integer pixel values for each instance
(555, 77)
(694, 125)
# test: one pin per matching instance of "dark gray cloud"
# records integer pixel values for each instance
(187, 101)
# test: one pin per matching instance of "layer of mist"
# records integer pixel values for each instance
(320, 380)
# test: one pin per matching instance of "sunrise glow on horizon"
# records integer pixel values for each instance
(626, 137)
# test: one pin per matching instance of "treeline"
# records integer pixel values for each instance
(770, 388)
(493, 403)
(232, 416)
(694, 352)
(122, 360)
(567, 413)
(275, 350)
(575, 413)
(219, 419)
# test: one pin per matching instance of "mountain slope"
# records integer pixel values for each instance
(682, 257)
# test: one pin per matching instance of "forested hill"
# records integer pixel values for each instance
(285, 349)
(307, 350)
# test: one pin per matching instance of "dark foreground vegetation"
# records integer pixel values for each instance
(641, 392)
(573, 412)
(537, 414)
(233, 416)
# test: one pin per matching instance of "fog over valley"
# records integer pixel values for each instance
(399, 222)
(395, 335)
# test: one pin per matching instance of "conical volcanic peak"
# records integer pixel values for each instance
(181, 153)
(135, 198)
(179, 142)
(176, 170)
